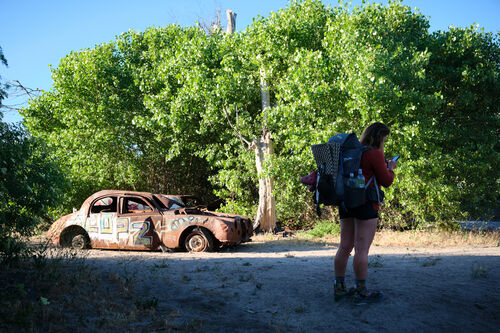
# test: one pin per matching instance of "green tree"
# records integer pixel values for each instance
(31, 185)
(339, 70)
(171, 108)
(270, 49)
(99, 119)
(382, 55)
(463, 131)
(439, 95)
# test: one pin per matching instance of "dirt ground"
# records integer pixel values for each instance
(286, 285)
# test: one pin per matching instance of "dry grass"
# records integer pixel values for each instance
(414, 238)
(295, 240)
(34, 288)
(422, 238)
(57, 290)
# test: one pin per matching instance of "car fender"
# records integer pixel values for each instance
(58, 227)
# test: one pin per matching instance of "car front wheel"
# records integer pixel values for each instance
(199, 240)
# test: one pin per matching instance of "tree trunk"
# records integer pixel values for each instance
(231, 21)
(266, 212)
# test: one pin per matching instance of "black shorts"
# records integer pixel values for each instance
(364, 212)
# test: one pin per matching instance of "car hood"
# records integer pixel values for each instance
(206, 212)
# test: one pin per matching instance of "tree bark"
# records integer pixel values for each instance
(231, 21)
(266, 211)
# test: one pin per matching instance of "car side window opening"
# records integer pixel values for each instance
(104, 205)
(135, 205)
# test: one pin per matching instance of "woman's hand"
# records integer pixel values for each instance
(391, 165)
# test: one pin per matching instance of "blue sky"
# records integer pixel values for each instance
(36, 34)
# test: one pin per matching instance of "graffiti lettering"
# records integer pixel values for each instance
(175, 224)
(141, 229)
(122, 224)
(92, 224)
(107, 223)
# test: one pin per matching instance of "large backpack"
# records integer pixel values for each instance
(336, 161)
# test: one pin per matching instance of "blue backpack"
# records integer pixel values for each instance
(337, 160)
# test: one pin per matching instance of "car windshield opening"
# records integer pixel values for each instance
(176, 203)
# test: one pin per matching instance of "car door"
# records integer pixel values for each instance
(137, 222)
(101, 220)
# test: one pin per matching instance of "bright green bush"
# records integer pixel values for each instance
(325, 228)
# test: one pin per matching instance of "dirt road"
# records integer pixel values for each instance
(286, 286)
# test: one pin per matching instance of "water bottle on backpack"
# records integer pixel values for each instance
(352, 182)
(360, 179)
(354, 190)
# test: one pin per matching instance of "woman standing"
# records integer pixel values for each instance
(358, 225)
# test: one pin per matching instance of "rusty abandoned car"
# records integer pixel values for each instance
(113, 219)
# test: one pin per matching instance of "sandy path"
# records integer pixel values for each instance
(287, 286)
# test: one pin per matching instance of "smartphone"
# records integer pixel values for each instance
(395, 158)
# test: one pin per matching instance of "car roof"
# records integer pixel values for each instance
(148, 195)
(104, 193)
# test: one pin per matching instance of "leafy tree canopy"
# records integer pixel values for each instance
(152, 110)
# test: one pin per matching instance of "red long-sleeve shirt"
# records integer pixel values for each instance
(373, 161)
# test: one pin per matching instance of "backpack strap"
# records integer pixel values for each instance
(369, 182)
(376, 186)
(341, 157)
(316, 194)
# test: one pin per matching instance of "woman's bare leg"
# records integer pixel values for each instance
(364, 232)
(345, 247)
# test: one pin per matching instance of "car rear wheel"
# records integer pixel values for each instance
(80, 242)
(199, 240)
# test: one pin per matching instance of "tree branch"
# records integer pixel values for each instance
(26, 90)
(251, 145)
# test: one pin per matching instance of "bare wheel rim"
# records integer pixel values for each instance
(78, 242)
(197, 243)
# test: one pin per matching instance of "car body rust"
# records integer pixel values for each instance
(115, 219)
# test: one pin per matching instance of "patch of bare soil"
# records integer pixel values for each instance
(268, 285)
(286, 285)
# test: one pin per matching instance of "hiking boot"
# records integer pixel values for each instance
(364, 296)
(341, 292)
